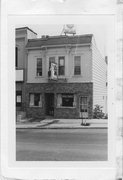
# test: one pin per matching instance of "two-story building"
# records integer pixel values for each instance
(79, 82)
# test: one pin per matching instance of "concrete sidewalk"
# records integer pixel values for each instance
(63, 124)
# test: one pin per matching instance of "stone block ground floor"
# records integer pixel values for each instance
(59, 100)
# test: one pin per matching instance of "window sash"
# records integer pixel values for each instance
(63, 98)
(18, 98)
(16, 56)
(61, 65)
(77, 65)
(35, 100)
(39, 66)
(51, 60)
(83, 104)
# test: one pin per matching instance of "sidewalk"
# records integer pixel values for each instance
(63, 124)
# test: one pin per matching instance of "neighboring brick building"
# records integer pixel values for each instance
(64, 77)
(22, 35)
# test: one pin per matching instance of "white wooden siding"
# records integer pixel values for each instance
(99, 79)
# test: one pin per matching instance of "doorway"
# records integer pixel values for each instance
(83, 104)
(49, 104)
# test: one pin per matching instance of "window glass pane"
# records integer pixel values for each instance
(31, 99)
(61, 70)
(77, 65)
(51, 60)
(61, 65)
(84, 100)
(35, 99)
(83, 104)
(61, 62)
(18, 98)
(77, 60)
(39, 66)
(16, 56)
(67, 100)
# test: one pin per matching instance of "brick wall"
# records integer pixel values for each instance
(80, 89)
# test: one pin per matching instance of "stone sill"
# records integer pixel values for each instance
(35, 107)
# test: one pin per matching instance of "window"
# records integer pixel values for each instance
(66, 100)
(52, 73)
(39, 66)
(61, 64)
(16, 57)
(35, 100)
(18, 98)
(83, 104)
(77, 65)
(51, 60)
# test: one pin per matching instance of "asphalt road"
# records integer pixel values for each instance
(61, 145)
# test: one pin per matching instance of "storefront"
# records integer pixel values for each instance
(59, 100)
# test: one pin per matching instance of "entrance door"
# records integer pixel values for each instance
(83, 103)
(49, 104)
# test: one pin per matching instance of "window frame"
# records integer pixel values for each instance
(62, 57)
(39, 106)
(77, 66)
(18, 93)
(37, 68)
(80, 104)
(59, 102)
(16, 57)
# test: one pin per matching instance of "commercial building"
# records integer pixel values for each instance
(64, 76)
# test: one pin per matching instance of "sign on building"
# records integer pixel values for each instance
(69, 29)
(53, 71)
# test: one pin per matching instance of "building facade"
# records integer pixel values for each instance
(65, 77)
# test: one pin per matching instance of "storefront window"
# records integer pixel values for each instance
(35, 100)
(66, 100)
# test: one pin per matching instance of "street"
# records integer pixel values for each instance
(61, 145)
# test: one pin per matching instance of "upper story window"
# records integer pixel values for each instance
(77, 65)
(61, 65)
(16, 57)
(39, 67)
(51, 60)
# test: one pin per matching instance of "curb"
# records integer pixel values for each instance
(62, 128)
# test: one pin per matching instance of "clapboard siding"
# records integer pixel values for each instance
(99, 79)
(86, 64)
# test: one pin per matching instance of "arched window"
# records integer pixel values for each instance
(16, 56)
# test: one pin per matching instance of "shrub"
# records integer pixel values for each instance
(98, 113)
